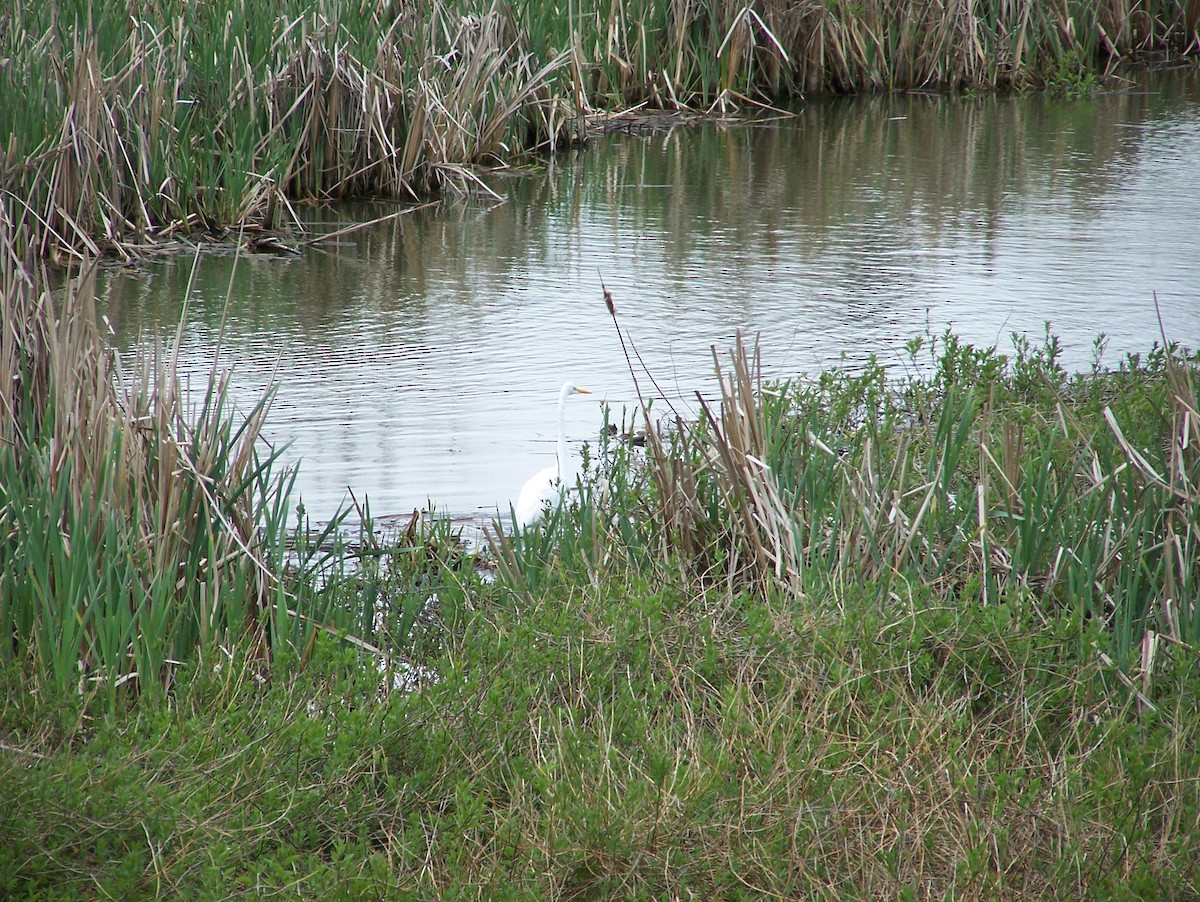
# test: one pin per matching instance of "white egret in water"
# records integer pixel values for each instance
(545, 488)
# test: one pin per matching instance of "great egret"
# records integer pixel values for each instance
(545, 488)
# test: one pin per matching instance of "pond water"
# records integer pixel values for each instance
(420, 359)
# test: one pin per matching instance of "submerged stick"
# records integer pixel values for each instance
(359, 226)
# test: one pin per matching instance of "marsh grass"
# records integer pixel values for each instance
(990, 473)
(973, 474)
(195, 120)
(143, 525)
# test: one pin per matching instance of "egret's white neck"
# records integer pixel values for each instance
(562, 431)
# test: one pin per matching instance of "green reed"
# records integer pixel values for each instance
(134, 533)
(976, 476)
(142, 526)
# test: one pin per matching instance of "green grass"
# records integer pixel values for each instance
(628, 740)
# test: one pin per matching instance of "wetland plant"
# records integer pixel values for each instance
(138, 525)
(195, 120)
(984, 478)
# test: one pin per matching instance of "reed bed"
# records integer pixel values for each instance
(138, 526)
(981, 477)
(192, 119)
(849, 637)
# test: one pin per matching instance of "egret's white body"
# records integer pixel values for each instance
(545, 488)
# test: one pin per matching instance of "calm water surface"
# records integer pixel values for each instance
(420, 360)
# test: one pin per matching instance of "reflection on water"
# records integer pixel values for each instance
(421, 359)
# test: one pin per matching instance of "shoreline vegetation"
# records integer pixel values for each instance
(190, 120)
(875, 634)
(846, 637)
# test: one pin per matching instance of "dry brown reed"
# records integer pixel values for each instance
(139, 522)
(186, 126)
(195, 120)
(730, 457)
(748, 485)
